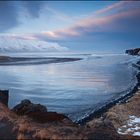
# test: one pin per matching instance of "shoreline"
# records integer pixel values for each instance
(99, 112)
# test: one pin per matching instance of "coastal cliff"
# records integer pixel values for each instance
(135, 51)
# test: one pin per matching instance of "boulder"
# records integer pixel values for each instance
(4, 97)
(47, 117)
(37, 112)
(103, 130)
(26, 107)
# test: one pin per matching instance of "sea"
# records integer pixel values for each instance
(74, 88)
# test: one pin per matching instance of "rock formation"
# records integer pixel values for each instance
(37, 112)
(4, 97)
(26, 108)
(135, 51)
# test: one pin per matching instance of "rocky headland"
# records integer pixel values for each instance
(135, 51)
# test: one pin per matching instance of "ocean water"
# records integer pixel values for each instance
(75, 88)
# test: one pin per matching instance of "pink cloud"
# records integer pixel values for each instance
(95, 23)
(110, 7)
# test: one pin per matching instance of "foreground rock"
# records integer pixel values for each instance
(37, 112)
(14, 127)
(26, 108)
(4, 97)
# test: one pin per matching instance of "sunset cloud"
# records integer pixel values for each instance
(110, 7)
(122, 21)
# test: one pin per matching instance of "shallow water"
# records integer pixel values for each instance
(75, 88)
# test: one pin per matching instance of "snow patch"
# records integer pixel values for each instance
(136, 134)
(132, 127)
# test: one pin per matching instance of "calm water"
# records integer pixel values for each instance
(74, 88)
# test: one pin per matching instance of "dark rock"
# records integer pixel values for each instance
(47, 117)
(135, 51)
(6, 130)
(103, 131)
(37, 112)
(26, 102)
(26, 107)
(138, 77)
(4, 97)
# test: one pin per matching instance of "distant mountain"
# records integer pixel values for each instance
(12, 44)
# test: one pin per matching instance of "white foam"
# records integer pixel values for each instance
(136, 134)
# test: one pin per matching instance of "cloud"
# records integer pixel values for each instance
(122, 21)
(10, 12)
(8, 16)
(119, 21)
(33, 7)
(110, 7)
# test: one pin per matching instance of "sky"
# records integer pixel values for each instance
(97, 26)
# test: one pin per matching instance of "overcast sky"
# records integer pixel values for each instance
(80, 26)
